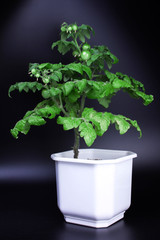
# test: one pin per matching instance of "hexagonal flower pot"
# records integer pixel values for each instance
(95, 189)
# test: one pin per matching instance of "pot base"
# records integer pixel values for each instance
(94, 224)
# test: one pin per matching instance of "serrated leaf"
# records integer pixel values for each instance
(98, 89)
(44, 65)
(94, 57)
(64, 34)
(81, 85)
(117, 83)
(108, 61)
(48, 111)
(137, 84)
(77, 67)
(99, 119)
(74, 95)
(81, 37)
(87, 132)
(87, 33)
(21, 86)
(25, 86)
(72, 108)
(64, 46)
(54, 91)
(109, 75)
(105, 101)
(69, 122)
(58, 74)
(147, 99)
(87, 70)
(36, 120)
(14, 132)
(114, 58)
(123, 125)
(12, 88)
(28, 113)
(55, 44)
(67, 88)
(21, 126)
(135, 124)
(56, 66)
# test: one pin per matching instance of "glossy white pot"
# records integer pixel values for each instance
(95, 189)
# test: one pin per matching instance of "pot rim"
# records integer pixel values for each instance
(124, 156)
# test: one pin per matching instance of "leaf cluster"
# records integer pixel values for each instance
(65, 87)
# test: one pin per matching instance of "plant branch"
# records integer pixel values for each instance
(60, 105)
(76, 43)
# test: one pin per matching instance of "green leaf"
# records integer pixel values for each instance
(117, 83)
(81, 85)
(45, 109)
(87, 33)
(108, 89)
(36, 120)
(28, 113)
(110, 76)
(44, 65)
(135, 124)
(21, 126)
(98, 89)
(108, 61)
(56, 66)
(67, 88)
(77, 67)
(48, 111)
(123, 123)
(137, 84)
(147, 99)
(26, 86)
(54, 91)
(69, 122)
(14, 132)
(99, 119)
(64, 46)
(58, 74)
(105, 101)
(81, 37)
(87, 132)
(72, 108)
(113, 57)
(87, 70)
(74, 95)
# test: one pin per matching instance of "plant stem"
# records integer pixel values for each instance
(76, 132)
(76, 43)
(60, 105)
(76, 143)
(82, 104)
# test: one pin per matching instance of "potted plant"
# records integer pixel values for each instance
(93, 185)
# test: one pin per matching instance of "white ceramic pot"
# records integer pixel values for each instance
(95, 189)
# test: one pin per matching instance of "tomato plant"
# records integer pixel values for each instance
(65, 88)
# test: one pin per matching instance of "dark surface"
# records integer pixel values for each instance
(29, 211)
(129, 29)
(27, 183)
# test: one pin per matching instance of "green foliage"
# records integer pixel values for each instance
(36, 117)
(92, 124)
(26, 86)
(65, 87)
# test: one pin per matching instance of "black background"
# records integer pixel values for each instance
(27, 181)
